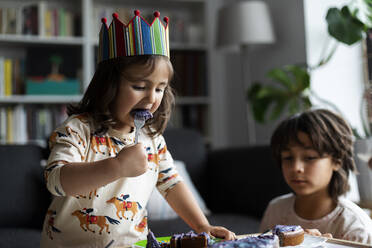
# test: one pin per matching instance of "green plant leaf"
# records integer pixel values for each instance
(343, 26)
(301, 76)
(279, 107)
(268, 102)
(260, 98)
(281, 76)
(306, 103)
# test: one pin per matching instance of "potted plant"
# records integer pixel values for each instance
(291, 92)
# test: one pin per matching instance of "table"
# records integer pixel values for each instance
(330, 243)
(344, 243)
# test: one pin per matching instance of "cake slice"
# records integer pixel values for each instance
(182, 240)
(189, 240)
(289, 235)
(262, 241)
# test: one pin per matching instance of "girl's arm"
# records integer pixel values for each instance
(83, 177)
(184, 204)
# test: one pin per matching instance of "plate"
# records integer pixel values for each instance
(143, 243)
(311, 241)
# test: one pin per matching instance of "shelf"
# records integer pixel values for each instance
(60, 99)
(34, 39)
(188, 42)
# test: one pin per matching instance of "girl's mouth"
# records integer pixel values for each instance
(299, 181)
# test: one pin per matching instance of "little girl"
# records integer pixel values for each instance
(100, 177)
(315, 152)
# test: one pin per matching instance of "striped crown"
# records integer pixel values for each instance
(136, 38)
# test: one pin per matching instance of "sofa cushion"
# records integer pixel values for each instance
(243, 180)
(22, 188)
(19, 238)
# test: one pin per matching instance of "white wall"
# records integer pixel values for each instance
(341, 80)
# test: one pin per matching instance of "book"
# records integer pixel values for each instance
(9, 125)
(10, 21)
(2, 77)
(48, 24)
(41, 18)
(3, 125)
(7, 77)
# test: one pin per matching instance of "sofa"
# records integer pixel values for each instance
(236, 185)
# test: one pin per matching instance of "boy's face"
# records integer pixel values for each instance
(146, 93)
(304, 170)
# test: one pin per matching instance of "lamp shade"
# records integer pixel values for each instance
(244, 23)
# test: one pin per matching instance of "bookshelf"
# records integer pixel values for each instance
(31, 31)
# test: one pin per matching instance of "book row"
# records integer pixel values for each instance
(29, 123)
(40, 19)
(11, 76)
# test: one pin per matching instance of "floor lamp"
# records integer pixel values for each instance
(240, 26)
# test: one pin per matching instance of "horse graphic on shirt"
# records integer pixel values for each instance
(123, 206)
(86, 219)
(105, 142)
(156, 158)
(142, 225)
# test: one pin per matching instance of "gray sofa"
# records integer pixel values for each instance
(235, 183)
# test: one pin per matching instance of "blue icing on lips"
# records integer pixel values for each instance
(141, 114)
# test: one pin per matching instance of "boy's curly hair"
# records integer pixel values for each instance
(329, 134)
(99, 98)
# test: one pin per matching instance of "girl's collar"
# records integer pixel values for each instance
(124, 136)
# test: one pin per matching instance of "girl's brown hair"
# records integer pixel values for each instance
(99, 98)
(329, 134)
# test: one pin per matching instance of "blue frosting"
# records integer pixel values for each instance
(249, 242)
(151, 241)
(283, 228)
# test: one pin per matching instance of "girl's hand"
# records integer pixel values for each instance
(132, 161)
(316, 232)
(218, 232)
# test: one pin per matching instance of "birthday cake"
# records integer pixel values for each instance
(182, 240)
(262, 241)
(202, 240)
(289, 235)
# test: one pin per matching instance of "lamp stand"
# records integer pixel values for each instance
(246, 74)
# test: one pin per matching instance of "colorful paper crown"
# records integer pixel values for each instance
(136, 38)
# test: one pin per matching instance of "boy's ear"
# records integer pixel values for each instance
(337, 163)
